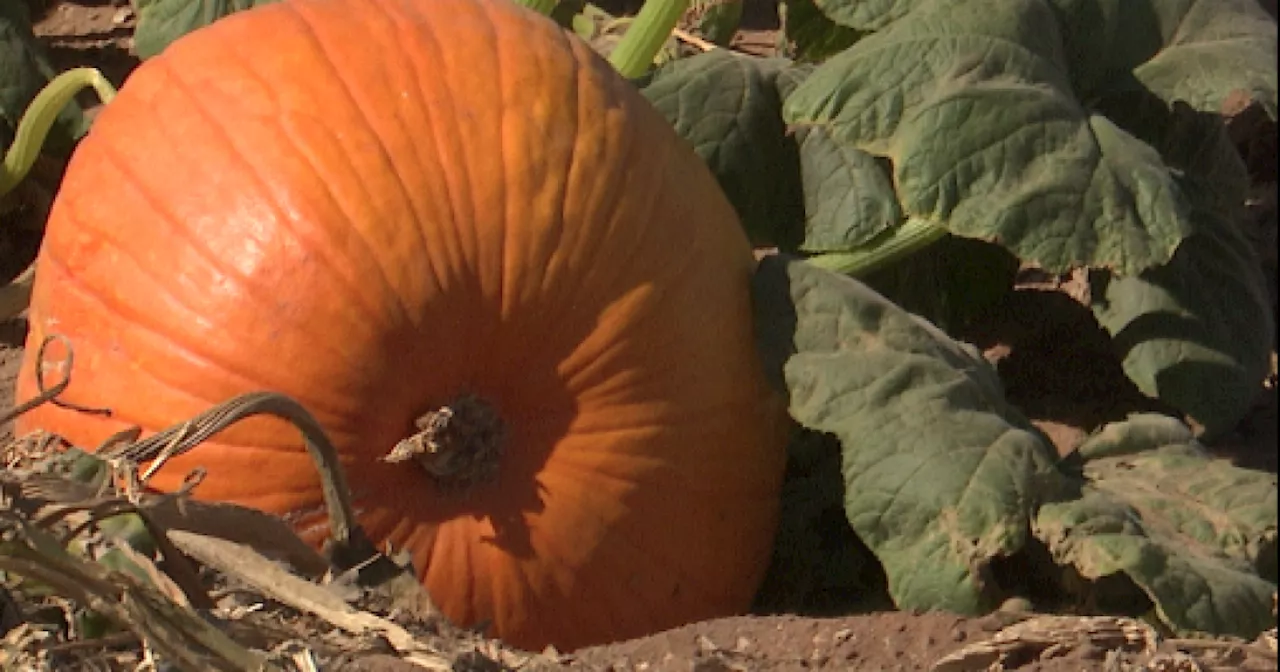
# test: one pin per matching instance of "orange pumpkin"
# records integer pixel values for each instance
(380, 207)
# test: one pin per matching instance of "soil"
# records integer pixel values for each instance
(1039, 323)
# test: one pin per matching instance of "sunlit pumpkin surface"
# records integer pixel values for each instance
(375, 206)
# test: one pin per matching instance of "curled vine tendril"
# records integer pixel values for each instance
(49, 395)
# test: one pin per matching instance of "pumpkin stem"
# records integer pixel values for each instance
(883, 250)
(633, 57)
(458, 445)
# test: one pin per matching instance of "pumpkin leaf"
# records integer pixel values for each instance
(728, 106)
(848, 196)
(1196, 333)
(716, 20)
(1195, 51)
(941, 473)
(24, 71)
(1197, 534)
(975, 103)
(160, 22)
(866, 15)
(810, 34)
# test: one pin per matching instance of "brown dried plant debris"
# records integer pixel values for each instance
(99, 575)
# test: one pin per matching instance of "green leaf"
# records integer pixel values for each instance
(1196, 534)
(971, 101)
(811, 34)
(716, 20)
(160, 22)
(866, 15)
(848, 198)
(728, 107)
(1198, 332)
(941, 473)
(1196, 51)
(24, 71)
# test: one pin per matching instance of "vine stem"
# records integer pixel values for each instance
(648, 32)
(184, 436)
(884, 250)
(38, 119)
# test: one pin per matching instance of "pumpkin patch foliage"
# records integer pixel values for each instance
(1057, 132)
(602, 355)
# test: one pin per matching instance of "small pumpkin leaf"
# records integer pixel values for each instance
(728, 106)
(941, 473)
(848, 195)
(1197, 534)
(810, 35)
(160, 22)
(716, 20)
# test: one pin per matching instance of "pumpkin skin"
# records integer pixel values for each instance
(375, 206)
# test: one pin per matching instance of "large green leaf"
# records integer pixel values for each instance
(727, 105)
(849, 199)
(24, 71)
(160, 22)
(1196, 51)
(972, 101)
(1198, 332)
(866, 15)
(941, 473)
(1196, 534)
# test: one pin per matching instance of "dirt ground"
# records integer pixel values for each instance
(1038, 323)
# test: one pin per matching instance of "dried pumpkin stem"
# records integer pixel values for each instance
(34, 127)
(458, 445)
(180, 438)
(903, 241)
(49, 395)
(651, 28)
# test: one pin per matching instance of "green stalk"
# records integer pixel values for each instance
(651, 29)
(34, 127)
(543, 7)
(885, 250)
